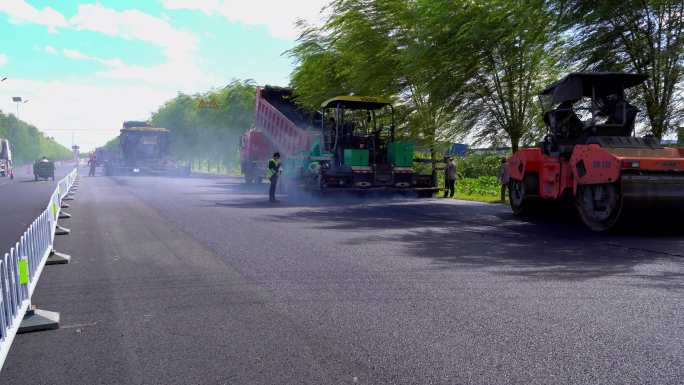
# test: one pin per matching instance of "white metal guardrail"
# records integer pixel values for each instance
(20, 269)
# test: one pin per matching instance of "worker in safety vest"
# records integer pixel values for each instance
(274, 170)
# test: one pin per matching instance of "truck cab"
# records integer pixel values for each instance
(144, 150)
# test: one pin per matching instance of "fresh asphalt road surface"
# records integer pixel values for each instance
(201, 281)
(21, 201)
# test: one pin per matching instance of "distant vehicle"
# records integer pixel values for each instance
(351, 145)
(103, 155)
(6, 165)
(143, 150)
(44, 169)
(591, 155)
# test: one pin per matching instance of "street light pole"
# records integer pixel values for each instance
(19, 100)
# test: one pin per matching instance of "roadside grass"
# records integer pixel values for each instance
(480, 189)
(480, 198)
(206, 168)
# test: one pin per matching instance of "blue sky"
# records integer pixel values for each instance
(85, 66)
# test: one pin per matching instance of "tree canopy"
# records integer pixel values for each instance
(644, 36)
(208, 126)
(470, 70)
(28, 143)
(459, 68)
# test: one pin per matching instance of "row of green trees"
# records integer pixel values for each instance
(470, 70)
(29, 144)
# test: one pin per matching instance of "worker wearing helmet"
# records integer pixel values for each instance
(274, 170)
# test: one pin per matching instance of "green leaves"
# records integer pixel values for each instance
(457, 68)
(28, 143)
(645, 36)
(208, 126)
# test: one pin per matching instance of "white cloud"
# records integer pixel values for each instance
(180, 47)
(92, 112)
(208, 7)
(20, 11)
(3, 59)
(94, 105)
(134, 25)
(77, 55)
(278, 16)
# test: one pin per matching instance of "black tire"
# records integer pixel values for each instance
(517, 197)
(599, 206)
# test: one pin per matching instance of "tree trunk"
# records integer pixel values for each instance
(657, 125)
(515, 143)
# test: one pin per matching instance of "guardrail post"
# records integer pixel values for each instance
(59, 230)
(56, 258)
(36, 320)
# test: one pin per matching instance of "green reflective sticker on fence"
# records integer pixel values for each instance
(54, 209)
(23, 271)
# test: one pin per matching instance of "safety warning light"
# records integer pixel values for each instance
(630, 164)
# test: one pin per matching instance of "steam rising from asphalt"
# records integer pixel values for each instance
(299, 196)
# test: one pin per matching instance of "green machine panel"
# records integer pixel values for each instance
(401, 154)
(356, 157)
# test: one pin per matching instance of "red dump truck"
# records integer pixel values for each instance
(278, 127)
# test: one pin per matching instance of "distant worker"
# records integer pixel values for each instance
(450, 178)
(274, 169)
(44, 159)
(92, 162)
(503, 178)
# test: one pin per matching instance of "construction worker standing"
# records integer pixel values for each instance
(92, 162)
(274, 169)
(503, 178)
(450, 178)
